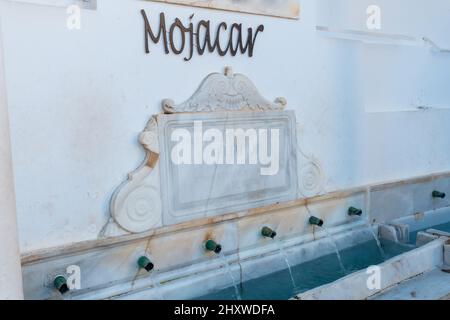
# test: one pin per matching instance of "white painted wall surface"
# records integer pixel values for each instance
(10, 270)
(78, 99)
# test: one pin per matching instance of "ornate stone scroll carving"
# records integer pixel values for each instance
(225, 92)
(142, 202)
(311, 178)
(136, 204)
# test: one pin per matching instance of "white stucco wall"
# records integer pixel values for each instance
(78, 99)
(10, 271)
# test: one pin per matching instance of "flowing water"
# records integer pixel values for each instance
(310, 274)
(335, 248)
(375, 237)
(283, 253)
(230, 273)
(155, 283)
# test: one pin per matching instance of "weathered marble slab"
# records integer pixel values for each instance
(277, 8)
(182, 266)
(403, 198)
(199, 189)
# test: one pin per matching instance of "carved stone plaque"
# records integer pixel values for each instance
(228, 176)
(225, 149)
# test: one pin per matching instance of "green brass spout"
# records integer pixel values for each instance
(352, 211)
(145, 263)
(315, 221)
(60, 283)
(438, 194)
(211, 245)
(268, 233)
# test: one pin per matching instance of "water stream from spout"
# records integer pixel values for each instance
(155, 283)
(230, 273)
(368, 210)
(330, 236)
(377, 240)
(285, 257)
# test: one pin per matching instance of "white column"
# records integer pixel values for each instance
(10, 269)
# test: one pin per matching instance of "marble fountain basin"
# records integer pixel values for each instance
(419, 273)
(184, 271)
(262, 273)
(359, 263)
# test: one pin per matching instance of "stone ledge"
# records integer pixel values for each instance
(84, 4)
